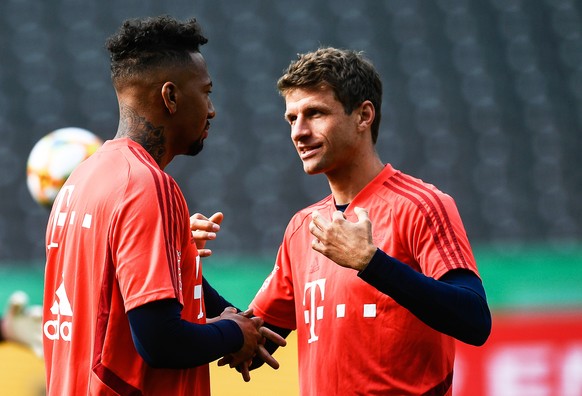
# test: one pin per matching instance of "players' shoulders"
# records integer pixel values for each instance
(409, 191)
(141, 167)
(145, 182)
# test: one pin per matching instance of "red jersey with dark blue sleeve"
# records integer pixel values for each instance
(351, 336)
(118, 238)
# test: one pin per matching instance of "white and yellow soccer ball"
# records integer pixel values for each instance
(53, 158)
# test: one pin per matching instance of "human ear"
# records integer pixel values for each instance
(169, 96)
(367, 113)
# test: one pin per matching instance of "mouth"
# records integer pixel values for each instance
(205, 134)
(306, 152)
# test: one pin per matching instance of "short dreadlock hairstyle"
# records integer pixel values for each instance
(141, 45)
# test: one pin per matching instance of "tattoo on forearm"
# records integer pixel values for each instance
(140, 130)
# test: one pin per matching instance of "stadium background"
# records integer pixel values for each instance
(482, 98)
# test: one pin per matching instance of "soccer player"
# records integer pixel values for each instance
(378, 278)
(126, 303)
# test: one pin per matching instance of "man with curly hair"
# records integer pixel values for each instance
(125, 303)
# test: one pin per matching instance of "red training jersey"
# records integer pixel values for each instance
(353, 339)
(118, 237)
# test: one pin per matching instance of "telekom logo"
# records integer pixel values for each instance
(198, 289)
(61, 215)
(313, 312)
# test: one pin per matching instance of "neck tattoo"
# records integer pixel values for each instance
(140, 130)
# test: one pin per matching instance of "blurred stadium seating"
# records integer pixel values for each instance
(482, 98)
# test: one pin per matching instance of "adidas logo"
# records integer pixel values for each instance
(59, 328)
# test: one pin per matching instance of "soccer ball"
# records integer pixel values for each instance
(54, 157)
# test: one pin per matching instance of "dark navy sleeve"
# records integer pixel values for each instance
(164, 340)
(455, 304)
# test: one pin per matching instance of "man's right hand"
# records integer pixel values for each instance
(252, 346)
(253, 338)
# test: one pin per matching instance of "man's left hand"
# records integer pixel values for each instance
(347, 243)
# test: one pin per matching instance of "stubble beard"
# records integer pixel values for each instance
(195, 148)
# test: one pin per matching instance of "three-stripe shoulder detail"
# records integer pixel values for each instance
(431, 205)
(168, 205)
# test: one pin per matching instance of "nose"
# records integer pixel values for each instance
(299, 129)
(211, 110)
